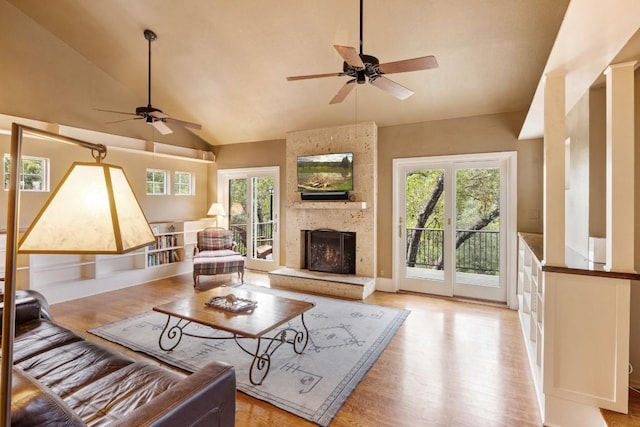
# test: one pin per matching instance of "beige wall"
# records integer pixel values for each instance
(156, 208)
(586, 197)
(577, 195)
(597, 164)
(459, 136)
(481, 134)
(634, 342)
(36, 83)
(254, 154)
(489, 133)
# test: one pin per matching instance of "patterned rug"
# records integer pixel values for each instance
(345, 340)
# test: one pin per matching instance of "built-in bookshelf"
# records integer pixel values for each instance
(169, 245)
(66, 277)
(531, 303)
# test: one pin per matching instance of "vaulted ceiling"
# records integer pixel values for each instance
(224, 64)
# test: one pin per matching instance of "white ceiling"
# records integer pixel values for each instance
(224, 63)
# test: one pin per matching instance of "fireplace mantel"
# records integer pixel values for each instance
(330, 205)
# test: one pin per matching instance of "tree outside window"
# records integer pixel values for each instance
(34, 175)
(182, 184)
(157, 182)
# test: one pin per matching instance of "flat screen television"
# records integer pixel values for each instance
(325, 173)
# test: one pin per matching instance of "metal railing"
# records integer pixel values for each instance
(478, 252)
(264, 235)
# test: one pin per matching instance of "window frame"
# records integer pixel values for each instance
(44, 176)
(165, 182)
(190, 183)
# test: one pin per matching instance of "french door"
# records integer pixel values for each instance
(454, 224)
(251, 199)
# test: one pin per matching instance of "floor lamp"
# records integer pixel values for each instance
(92, 211)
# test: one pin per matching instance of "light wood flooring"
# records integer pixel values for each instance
(452, 363)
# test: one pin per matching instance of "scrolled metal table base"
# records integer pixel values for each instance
(172, 335)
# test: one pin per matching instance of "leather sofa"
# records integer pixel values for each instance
(61, 379)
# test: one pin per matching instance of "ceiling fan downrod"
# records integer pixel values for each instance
(361, 2)
(150, 36)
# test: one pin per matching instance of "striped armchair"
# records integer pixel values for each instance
(216, 253)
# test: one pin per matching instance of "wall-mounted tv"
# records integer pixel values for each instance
(325, 173)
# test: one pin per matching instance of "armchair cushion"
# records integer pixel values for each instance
(220, 252)
(213, 239)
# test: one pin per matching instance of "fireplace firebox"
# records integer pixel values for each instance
(330, 251)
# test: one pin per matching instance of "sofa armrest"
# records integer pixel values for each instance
(32, 404)
(205, 398)
(30, 305)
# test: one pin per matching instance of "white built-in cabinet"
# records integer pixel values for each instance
(575, 323)
(531, 304)
(65, 277)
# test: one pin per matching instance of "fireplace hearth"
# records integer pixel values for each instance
(330, 251)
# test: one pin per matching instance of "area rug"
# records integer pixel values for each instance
(345, 340)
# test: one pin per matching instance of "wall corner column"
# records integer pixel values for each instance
(554, 169)
(620, 168)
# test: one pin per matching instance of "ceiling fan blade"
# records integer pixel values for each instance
(123, 120)
(183, 123)
(415, 64)
(314, 76)
(350, 55)
(117, 112)
(160, 127)
(343, 92)
(391, 87)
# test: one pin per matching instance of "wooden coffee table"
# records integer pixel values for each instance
(270, 312)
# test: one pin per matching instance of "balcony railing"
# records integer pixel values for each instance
(263, 235)
(478, 252)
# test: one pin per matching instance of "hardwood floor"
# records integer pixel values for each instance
(452, 363)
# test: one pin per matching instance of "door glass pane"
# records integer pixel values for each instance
(262, 218)
(424, 224)
(478, 226)
(238, 214)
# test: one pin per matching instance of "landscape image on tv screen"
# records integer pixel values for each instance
(325, 172)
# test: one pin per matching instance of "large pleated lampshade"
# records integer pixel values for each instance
(93, 210)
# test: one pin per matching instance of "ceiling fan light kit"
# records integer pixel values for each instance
(151, 115)
(362, 68)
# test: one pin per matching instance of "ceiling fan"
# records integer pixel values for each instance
(367, 67)
(150, 114)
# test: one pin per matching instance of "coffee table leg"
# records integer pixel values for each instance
(260, 365)
(172, 334)
(262, 359)
(302, 337)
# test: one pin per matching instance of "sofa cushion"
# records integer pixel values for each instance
(121, 392)
(39, 336)
(67, 368)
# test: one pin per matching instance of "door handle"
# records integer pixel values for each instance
(400, 228)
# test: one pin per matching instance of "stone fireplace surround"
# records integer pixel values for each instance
(358, 216)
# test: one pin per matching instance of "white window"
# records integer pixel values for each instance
(183, 184)
(34, 175)
(157, 182)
